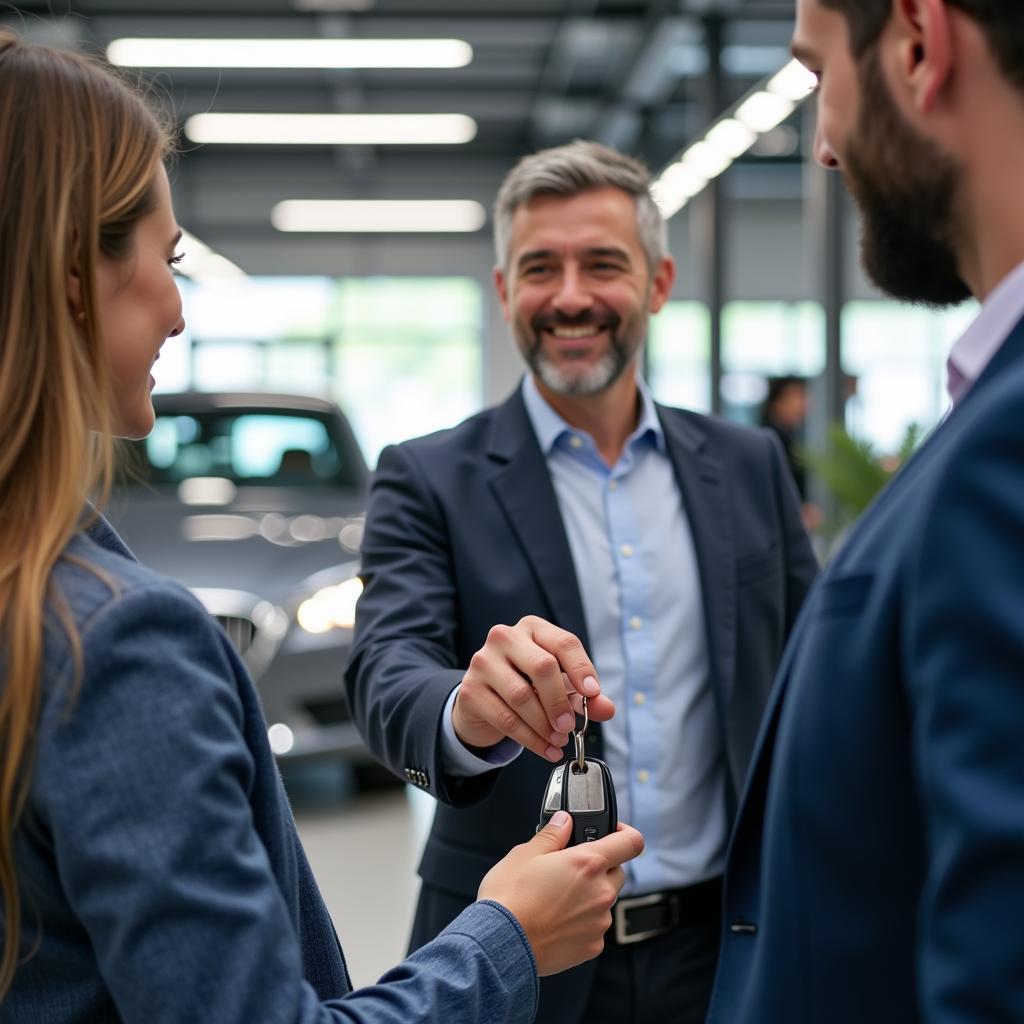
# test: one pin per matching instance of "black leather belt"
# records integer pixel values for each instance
(636, 918)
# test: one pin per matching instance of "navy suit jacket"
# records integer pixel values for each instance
(162, 876)
(464, 532)
(876, 872)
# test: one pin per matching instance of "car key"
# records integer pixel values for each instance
(582, 786)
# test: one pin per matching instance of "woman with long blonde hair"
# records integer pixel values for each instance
(149, 865)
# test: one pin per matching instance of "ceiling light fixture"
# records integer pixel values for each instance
(794, 82)
(327, 6)
(706, 160)
(731, 137)
(150, 52)
(331, 129)
(380, 215)
(676, 184)
(762, 110)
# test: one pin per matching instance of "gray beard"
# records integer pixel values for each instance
(591, 382)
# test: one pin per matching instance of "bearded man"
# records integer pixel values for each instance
(877, 868)
(580, 539)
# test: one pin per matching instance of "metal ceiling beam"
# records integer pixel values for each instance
(548, 83)
(619, 122)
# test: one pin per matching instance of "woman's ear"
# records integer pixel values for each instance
(75, 296)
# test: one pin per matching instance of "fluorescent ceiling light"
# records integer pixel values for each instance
(731, 137)
(333, 5)
(390, 215)
(764, 110)
(201, 263)
(289, 53)
(794, 82)
(758, 113)
(675, 185)
(706, 160)
(332, 129)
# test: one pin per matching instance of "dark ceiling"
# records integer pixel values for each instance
(631, 73)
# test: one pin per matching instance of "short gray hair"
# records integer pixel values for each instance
(568, 170)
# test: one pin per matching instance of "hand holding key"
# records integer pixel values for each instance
(523, 684)
(563, 897)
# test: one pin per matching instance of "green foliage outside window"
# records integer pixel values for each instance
(853, 472)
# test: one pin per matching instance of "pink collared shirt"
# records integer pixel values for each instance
(1001, 312)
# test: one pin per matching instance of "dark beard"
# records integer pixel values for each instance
(904, 185)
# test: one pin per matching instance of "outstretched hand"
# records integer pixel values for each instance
(563, 897)
(526, 683)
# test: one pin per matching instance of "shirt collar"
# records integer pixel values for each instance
(549, 426)
(1001, 312)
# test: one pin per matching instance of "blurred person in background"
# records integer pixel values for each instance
(785, 411)
(581, 539)
(876, 872)
(149, 863)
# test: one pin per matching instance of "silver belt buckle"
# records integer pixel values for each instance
(628, 903)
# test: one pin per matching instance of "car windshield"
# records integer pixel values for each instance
(262, 449)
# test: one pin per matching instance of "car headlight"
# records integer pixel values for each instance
(331, 607)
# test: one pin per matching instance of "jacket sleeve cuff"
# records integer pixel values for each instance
(458, 760)
(495, 928)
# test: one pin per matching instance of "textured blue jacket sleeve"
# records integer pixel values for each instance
(145, 783)
(964, 633)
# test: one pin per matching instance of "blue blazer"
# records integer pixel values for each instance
(464, 532)
(876, 872)
(162, 876)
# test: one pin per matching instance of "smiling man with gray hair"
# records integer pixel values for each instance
(580, 539)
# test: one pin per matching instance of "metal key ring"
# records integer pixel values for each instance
(577, 735)
(581, 760)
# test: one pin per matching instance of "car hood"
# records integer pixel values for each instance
(267, 542)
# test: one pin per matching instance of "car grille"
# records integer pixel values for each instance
(241, 631)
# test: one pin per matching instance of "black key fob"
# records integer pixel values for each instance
(587, 793)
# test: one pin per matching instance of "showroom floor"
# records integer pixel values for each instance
(364, 854)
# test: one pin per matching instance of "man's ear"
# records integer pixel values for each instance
(501, 287)
(662, 280)
(925, 49)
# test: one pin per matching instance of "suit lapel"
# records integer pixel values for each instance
(1010, 351)
(522, 485)
(703, 486)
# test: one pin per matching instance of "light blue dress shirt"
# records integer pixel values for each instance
(999, 315)
(637, 571)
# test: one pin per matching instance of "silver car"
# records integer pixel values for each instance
(255, 502)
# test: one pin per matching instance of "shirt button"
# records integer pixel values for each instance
(627, 550)
(643, 775)
(639, 699)
(575, 441)
(636, 622)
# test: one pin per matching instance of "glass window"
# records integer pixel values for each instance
(260, 308)
(761, 340)
(402, 356)
(228, 366)
(679, 355)
(407, 355)
(896, 357)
